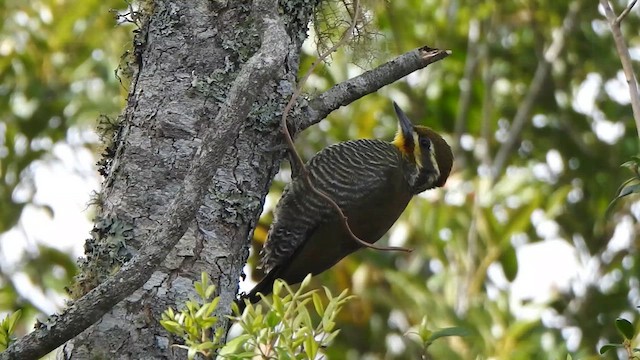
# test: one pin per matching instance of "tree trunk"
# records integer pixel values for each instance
(187, 55)
(193, 162)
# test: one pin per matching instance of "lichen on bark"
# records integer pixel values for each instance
(188, 54)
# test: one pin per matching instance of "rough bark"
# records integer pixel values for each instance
(201, 127)
(190, 55)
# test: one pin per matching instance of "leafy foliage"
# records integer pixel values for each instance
(427, 337)
(281, 329)
(284, 328)
(7, 327)
(193, 324)
(628, 332)
(629, 186)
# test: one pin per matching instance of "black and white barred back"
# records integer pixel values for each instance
(347, 172)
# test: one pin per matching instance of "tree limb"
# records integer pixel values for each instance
(521, 118)
(523, 114)
(353, 89)
(625, 58)
(466, 86)
(625, 12)
(488, 79)
(259, 69)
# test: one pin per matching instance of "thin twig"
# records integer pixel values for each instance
(482, 186)
(625, 12)
(466, 86)
(304, 172)
(477, 53)
(535, 88)
(625, 58)
(488, 78)
(520, 120)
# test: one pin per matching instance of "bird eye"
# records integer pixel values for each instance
(424, 142)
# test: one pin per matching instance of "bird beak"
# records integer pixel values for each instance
(405, 131)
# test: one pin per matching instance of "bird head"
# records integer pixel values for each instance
(428, 153)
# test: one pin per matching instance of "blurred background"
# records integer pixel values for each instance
(516, 248)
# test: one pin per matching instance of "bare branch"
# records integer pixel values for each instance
(625, 58)
(488, 79)
(260, 68)
(353, 89)
(523, 114)
(464, 104)
(625, 12)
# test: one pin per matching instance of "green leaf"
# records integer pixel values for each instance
(209, 322)
(272, 319)
(281, 354)
(236, 345)
(200, 313)
(209, 292)
(310, 347)
(199, 290)
(171, 326)
(329, 338)
(7, 327)
(608, 347)
(625, 328)
(629, 189)
(628, 164)
(207, 346)
(277, 287)
(192, 307)
(191, 353)
(556, 201)
(423, 330)
(327, 325)
(213, 305)
(509, 262)
(519, 220)
(235, 309)
(305, 282)
(204, 279)
(632, 164)
(300, 336)
(317, 303)
(451, 331)
(169, 313)
(12, 320)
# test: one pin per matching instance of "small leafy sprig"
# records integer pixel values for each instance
(629, 186)
(284, 328)
(7, 327)
(628, 332)
(427, 336)
(194, 323)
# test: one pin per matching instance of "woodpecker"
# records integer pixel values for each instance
(371, 180)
